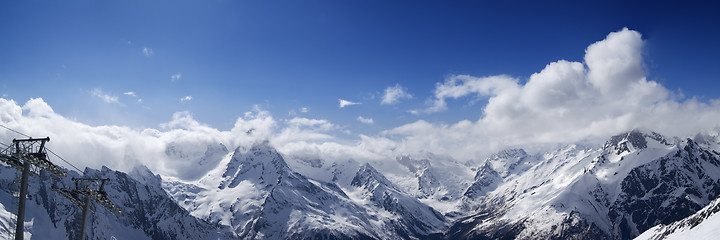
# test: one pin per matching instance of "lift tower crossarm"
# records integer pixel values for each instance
(100, 196)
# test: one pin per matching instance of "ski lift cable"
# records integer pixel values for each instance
(56, 155)
(14, 131)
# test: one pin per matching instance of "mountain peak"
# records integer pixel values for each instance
(633, 140)
(367, 175)
(143, 175)
(509, 153)
(260, 163)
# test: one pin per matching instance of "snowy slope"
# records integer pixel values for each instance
(635, 181)
(396, 210)
(148, 212)
(617, 191)
(705, 224)
(437, 181)
(256, 194)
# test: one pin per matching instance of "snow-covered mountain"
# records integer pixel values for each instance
(256, 194)
(701, 225)
(635, 181)
(617, 190)
(148, 212)
(397, 211)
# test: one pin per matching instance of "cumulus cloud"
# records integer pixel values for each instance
(393, 94)
(122, 148)
(148, 51)
(175, 77)
(564, 102)
(344, 103)
(458, 86)
(304, 130)
(365, 120)
(186, 98)
(105, 97)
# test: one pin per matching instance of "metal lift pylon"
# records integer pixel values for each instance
(29, 156)
(99, 196)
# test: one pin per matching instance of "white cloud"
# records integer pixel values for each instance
(344, 103)
(122, 148)
(148, 51)
(458, 86)
(130, 94)
(105, 97)
(563, 103)
(292, 112)
(186, 98)
(320, 124)
(365, 120)
(175, 77)
(393, 94)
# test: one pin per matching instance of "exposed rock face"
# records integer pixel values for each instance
(635, 181)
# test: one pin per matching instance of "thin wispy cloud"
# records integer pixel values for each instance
(133, 94)
(148, 51)
(105, 97)
(186, 98)
(175, 77)
(393, 94)
(293, 112)
(345, 103)
(365, 120)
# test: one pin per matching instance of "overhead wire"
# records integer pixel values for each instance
(14, 131)
(61, 158)
(48, 149)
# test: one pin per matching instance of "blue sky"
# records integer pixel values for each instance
(82, 57)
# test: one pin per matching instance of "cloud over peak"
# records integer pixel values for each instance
(564, 102)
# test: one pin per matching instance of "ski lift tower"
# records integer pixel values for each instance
(82, 188)
(29, 156)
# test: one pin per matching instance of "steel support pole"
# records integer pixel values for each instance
(19, 230)
(86, 207)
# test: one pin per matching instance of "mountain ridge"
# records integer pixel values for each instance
(618, 189)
